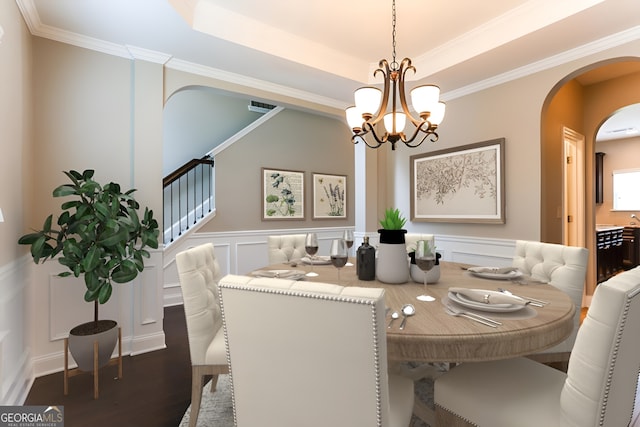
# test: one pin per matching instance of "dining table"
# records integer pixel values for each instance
(433, 334)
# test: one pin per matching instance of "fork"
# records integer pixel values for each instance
(473, 316)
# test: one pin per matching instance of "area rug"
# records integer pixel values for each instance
(216, 409)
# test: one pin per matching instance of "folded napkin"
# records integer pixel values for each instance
(317, 260)
(282, 274)
(488, 297)
(494, 270)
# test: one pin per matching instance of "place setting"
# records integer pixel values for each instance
(502, 304)
(280, 274)
(512, 274)
(495, 273)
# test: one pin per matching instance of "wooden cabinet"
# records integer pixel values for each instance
(630, 247)
(609, 252)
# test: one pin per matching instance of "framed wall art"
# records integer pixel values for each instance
(329, 196)
(461, 184)
(282, 194)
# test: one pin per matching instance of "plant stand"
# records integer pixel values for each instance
(68, 373)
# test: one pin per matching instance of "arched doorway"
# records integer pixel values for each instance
(582, 102)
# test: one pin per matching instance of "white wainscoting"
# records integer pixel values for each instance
(15, 369)
(244, 251)
(56, 305)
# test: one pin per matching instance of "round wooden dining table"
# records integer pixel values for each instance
(432, 335)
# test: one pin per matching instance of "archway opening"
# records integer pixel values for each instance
(582, 101)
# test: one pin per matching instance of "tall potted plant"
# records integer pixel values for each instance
(392, 265)
(101, 237)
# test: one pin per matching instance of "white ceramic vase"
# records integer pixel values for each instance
(392, 263)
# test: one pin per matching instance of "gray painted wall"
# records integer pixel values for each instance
(198, 119)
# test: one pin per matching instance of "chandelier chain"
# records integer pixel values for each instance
(394, 64)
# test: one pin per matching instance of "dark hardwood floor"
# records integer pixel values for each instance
(155, 389)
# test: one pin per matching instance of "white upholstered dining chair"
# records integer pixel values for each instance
(598, 389)
(286, 247)
(411, 239)
(310, 354)
(564, 267)
(199, 273)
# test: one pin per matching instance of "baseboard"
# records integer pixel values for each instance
(172, 295)
(16, 387)
(147, 343)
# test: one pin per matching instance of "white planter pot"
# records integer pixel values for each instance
(81, 346)
(392, 263)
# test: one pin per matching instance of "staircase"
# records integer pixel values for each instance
(188, 195)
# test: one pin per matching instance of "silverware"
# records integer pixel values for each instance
(475, 316)
(407, 311)
(457, 314)
(394, 316)
(532, 301)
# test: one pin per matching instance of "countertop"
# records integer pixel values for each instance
(608, 227)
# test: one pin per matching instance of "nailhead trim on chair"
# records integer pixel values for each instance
(616, 349)
(337, 298)
(614, 358)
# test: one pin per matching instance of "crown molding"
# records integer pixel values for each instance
(239, 79)
(148, 55)
(583, 51)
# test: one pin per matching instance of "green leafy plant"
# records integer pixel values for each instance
(393, 220)
(99, 235)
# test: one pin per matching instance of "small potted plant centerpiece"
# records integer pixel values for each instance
(392, 265)
(101, 237)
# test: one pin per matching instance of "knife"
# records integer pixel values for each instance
(489, 297)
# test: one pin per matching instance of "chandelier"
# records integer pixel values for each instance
(371, 106)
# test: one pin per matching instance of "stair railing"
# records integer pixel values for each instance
(188, 194)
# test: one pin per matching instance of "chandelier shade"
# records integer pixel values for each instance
(372, 106)
(393, 121)
(367, 100)
(424, 98)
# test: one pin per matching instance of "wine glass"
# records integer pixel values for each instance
(348, 239)
(338, 255)
(425, 260)
(311, 248)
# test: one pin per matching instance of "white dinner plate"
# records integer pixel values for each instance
(280, 274)
(487, 273)
(494, 308)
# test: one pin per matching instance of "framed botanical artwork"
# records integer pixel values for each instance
(282, 194)
(461, 184)
(329, 196)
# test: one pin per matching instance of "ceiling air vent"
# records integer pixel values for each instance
(260, 107)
